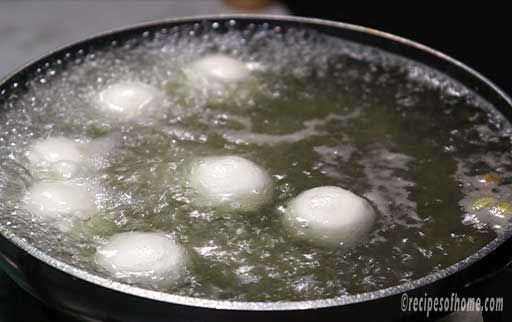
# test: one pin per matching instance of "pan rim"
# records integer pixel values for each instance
(259, 306)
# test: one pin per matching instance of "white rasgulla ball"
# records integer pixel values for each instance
(230, 181)
(59, 155)
(130, 99)
(61, 201)
(218, 68)
(148, 258)
(331, 215)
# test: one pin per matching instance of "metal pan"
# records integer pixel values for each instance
(92, 298)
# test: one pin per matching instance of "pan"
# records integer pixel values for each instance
(88, 297)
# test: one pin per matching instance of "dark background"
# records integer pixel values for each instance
(478, 35)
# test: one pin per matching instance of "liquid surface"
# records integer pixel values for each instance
(316, 111)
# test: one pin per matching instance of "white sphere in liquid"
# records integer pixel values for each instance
(60, 201)
(148, 258)
(218, 68)
(59, 155)
(230, 181)
(130, 99)
(331, 215)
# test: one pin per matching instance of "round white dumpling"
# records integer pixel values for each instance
(130, 99)
(330, 215)
(218, 68)
(60, 201)
(54, 149)
(230, 181)
(148, 258)
(59, 155)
